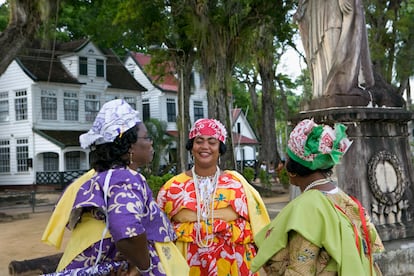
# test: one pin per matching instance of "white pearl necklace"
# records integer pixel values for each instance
(315, 183)
(205, 188)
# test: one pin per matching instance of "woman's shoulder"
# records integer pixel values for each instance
(120, 174)
(182, 177)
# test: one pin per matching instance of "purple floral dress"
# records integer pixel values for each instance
(131, 211)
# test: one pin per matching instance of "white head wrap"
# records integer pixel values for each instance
(114, 118)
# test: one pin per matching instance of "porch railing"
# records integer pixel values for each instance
(61, 179)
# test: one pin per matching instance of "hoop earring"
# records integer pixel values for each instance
(292, 174)
(130, 158)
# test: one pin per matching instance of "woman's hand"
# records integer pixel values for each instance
(126, 271)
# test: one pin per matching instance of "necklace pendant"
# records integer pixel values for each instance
(204, 214)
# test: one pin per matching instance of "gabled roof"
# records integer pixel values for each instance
(117, 75)
(238, 138)
(41, 63)
(243, 140)
(61, 138)
(40, 66)
(235, 114)
(167, 82)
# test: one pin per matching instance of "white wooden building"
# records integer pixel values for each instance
(244, 140)
(49, 97)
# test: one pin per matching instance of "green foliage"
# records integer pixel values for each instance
(248, 173)
(161, 142)
(264, 178)
(391, 38)
(284, 178)
(156, 182)
(4, 16)
(305, 82)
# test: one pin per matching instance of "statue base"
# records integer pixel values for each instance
(356, 97)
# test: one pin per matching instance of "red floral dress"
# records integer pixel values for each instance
(233, 248)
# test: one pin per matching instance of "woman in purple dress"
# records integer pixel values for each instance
(114, 219)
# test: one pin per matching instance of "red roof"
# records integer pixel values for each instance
(173, 133)
(167, 82)
(235, 113)
(243, 140)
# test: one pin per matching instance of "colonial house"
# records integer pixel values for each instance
(48, 97)
(244, 140)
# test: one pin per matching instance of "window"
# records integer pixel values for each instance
(71, 106)
(20, 104)
(72, 161)
(83, 66)
(91, 107)
(50, 162)
(4, 156)
(198, 110)
(49, 105)
(22, 154)
(238, 128)
(100, 68)
(145, 110)
(171, 111)
(131, 102)
(4, 107)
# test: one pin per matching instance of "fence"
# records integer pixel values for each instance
(62, 179)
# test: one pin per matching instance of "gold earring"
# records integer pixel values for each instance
(130, 158)
(292, 174)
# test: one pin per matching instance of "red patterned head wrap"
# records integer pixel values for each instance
(208, 127)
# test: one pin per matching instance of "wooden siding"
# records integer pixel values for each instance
(14, 79)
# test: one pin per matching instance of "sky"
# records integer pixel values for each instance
(291, 63)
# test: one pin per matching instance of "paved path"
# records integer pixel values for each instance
(275, 204)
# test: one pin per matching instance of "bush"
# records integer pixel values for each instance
(248, 173)
(156, 182)
(264, 178)
(284, 178)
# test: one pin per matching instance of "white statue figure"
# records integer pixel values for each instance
(335, 41)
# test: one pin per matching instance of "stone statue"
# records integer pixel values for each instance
(336, 46)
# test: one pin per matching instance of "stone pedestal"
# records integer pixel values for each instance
(378, 167)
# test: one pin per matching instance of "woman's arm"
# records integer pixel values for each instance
(135, 250)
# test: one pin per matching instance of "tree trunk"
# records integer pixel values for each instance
(268, 150)
(266, 68)
(25, 19)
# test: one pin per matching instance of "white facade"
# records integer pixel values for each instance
(157, 95)
(45, 104)
(244, 139)
(31, 108)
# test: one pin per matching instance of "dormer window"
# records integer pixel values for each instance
(83, 66)
(100, 68)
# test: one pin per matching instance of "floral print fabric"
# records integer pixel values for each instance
(131, 211)
(233, 247)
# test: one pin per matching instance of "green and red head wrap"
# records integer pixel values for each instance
(317, 146)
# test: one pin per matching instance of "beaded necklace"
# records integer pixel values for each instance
(205, 188)
(315, 183)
